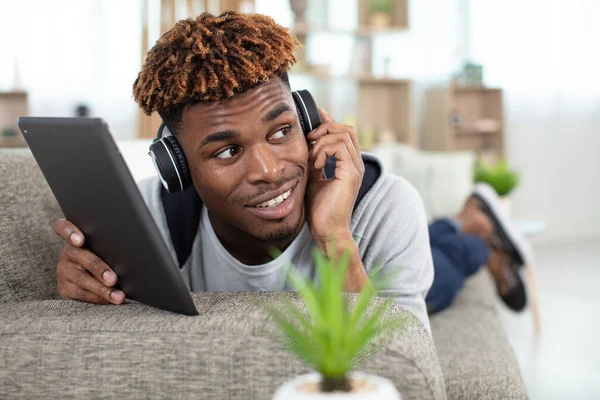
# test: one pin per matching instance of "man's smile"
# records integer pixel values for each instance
(276, 204)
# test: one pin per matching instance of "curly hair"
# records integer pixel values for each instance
(211, 58)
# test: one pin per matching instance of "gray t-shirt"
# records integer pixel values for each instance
(230, 274)
(388, 225)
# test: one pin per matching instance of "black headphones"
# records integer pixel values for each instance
(171, 165)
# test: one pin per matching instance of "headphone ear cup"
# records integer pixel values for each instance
(181, 161)
(308, 113)
(165, 166)
(170, 164)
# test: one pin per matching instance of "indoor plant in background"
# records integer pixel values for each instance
(500, 177)
(381, 13)
(332, 334)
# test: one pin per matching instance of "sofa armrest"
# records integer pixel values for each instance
(64, 348)
(29, 248)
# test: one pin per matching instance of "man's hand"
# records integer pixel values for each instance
(80, 274)
(329, 203)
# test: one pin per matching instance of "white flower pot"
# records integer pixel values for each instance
(506, 205)
(369, 387)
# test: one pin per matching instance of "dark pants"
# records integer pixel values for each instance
(456, 256)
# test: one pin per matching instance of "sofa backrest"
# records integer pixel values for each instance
(29, 248)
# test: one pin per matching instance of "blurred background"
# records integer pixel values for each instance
(510, 86)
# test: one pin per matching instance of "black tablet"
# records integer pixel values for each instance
(96, 191)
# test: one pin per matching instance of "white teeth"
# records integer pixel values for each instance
(276, 201)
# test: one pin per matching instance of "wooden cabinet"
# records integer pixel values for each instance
(12, 106)
(386, 105)
(398, 14)
(465, 118)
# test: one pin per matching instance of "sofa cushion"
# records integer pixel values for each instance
(443, 179)
(59, 348)
(474, 353)
(29, 248)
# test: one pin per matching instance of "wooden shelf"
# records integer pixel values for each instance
(475, 88)
(465, 118)
(380, 104)
(354, 77)
(13, 94)
(364, 30)
(381, 80)
(399, 13)
(472, 132)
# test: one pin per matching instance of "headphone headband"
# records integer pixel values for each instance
(161, 128)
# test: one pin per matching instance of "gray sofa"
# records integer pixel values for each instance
(51, 348)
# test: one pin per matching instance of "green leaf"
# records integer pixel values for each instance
(308, 293)
(364, 299)
(369, 327)
(300, 344)
(323, 330)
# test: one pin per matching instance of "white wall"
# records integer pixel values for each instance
(544, 54)
(73, 51)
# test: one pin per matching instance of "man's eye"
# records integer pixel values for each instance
(280, 134)
(228, 152)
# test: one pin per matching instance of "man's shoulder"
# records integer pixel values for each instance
(389, 191)
(400, 190)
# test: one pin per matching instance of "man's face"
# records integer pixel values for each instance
(246, 151)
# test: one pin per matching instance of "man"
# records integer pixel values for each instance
(220, 85)
(479, 235)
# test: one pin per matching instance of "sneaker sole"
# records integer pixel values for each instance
(508, 231)
(516, 298)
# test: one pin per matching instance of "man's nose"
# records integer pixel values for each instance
(263, 165)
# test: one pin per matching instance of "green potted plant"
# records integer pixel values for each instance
(332, 334)
(500, 177)
(381, 13)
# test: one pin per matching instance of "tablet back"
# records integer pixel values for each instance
(96, 191)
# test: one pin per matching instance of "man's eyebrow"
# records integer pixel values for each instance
(219, 136)
(276, 112)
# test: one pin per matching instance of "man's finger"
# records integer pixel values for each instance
(69, 290)
(93, 264)
(339, 137)
(330, 127)
(68, 231)
(84, 280)
(325, 117)
(338, 150)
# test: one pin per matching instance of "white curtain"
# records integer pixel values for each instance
(545, 55)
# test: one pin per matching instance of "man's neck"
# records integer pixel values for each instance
(244, 247)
